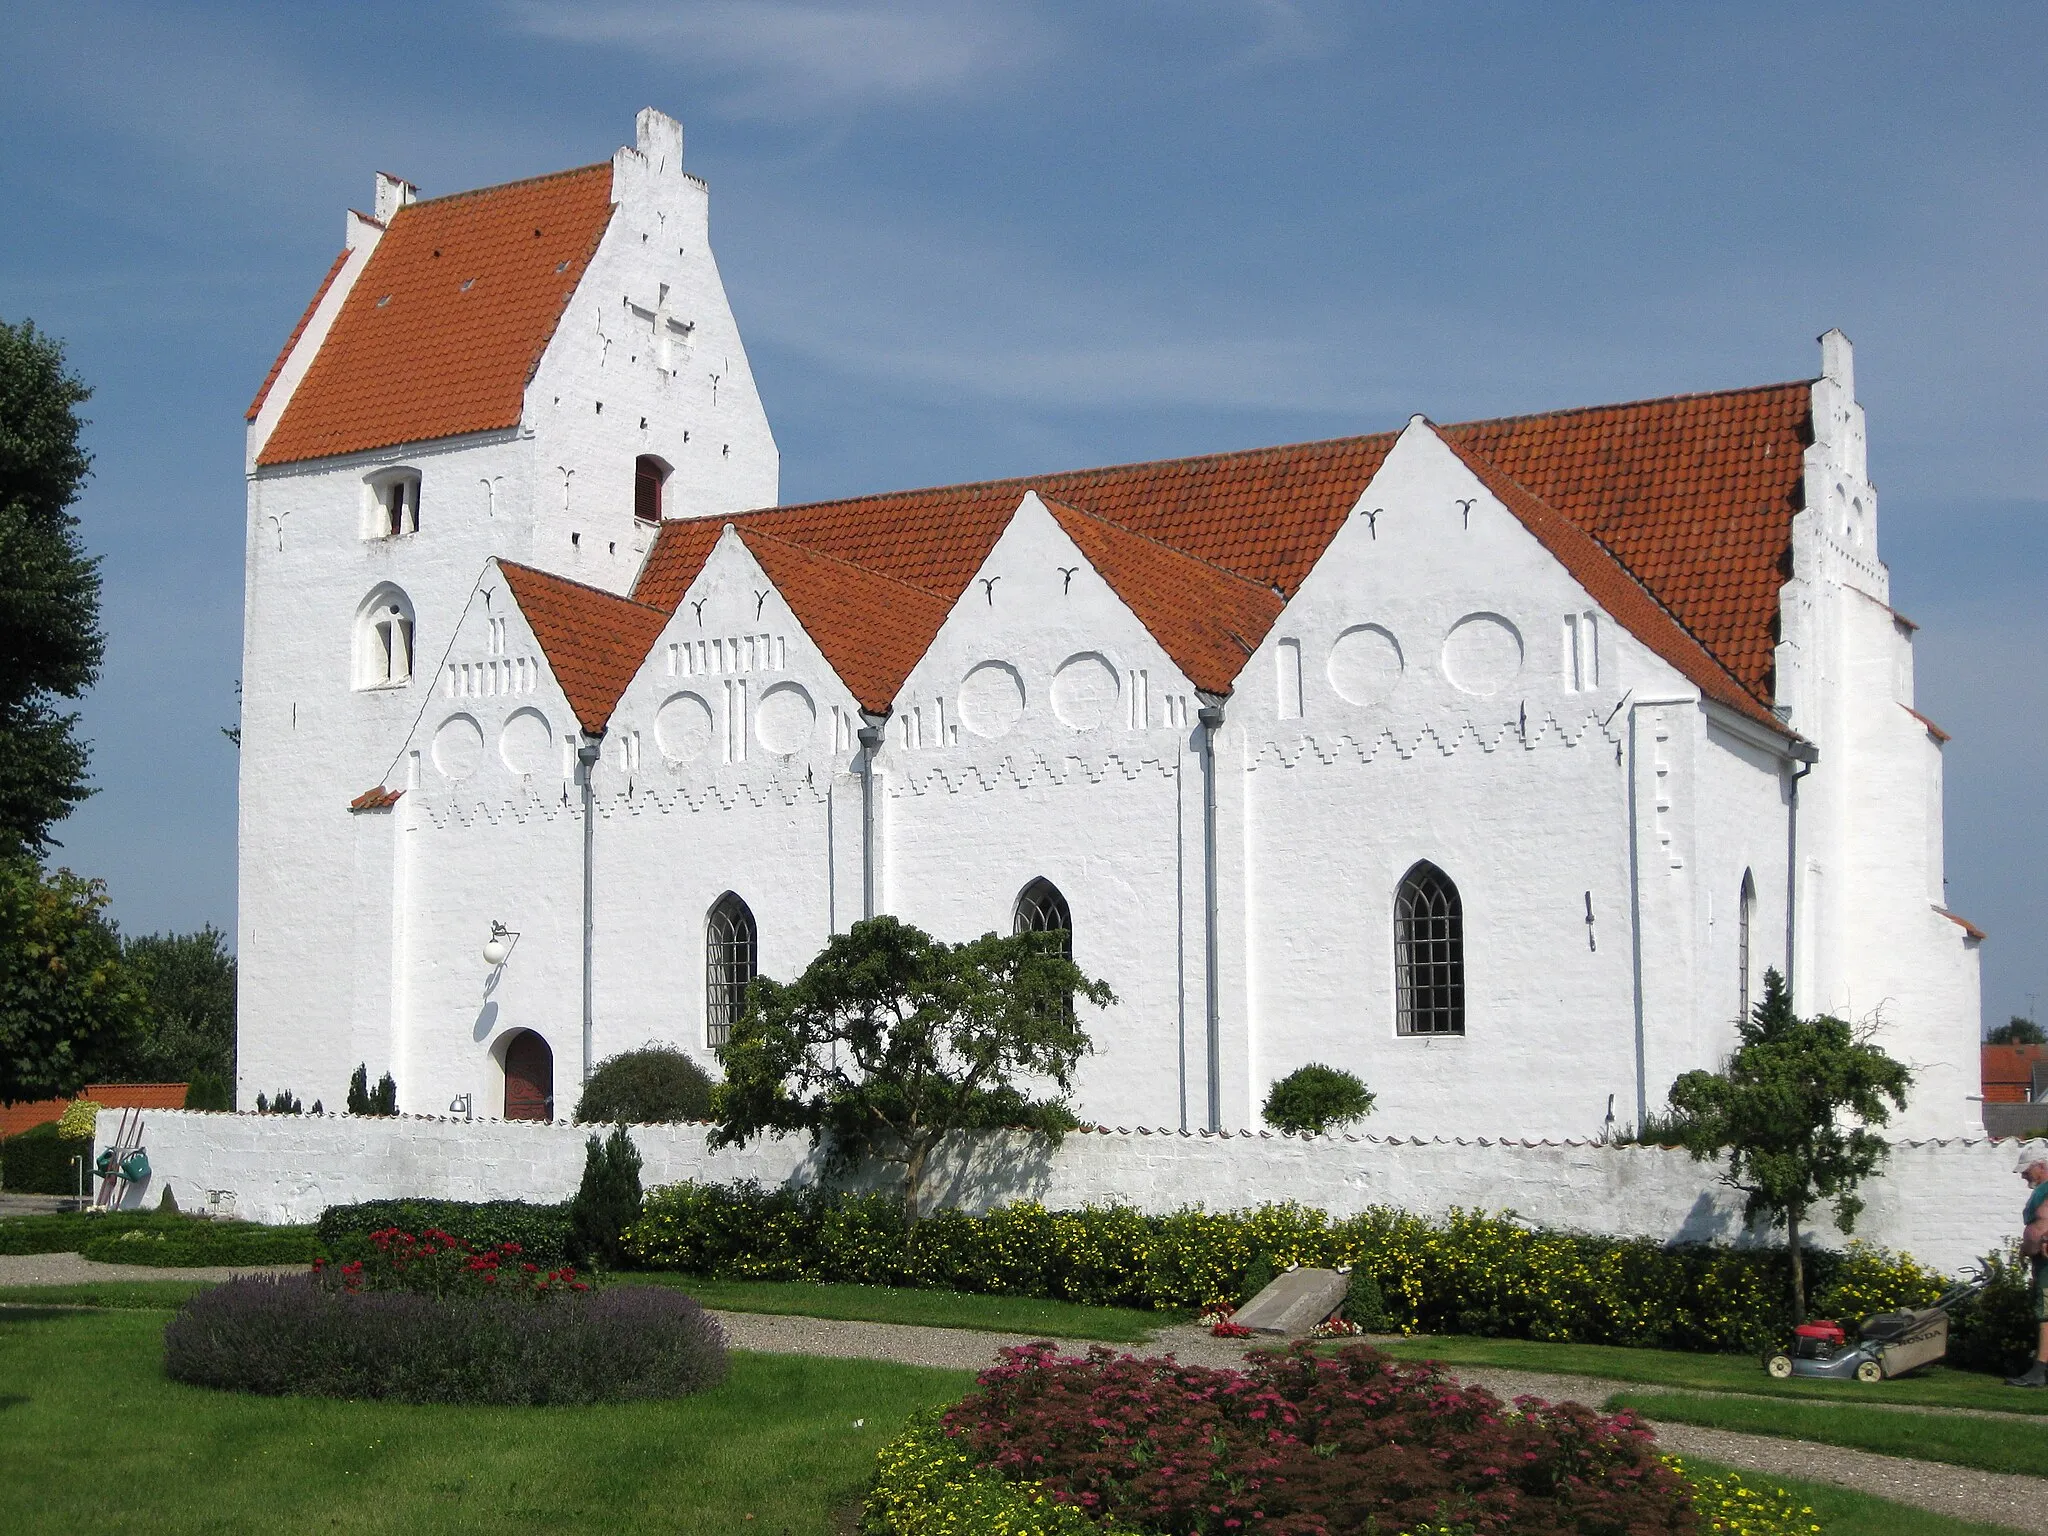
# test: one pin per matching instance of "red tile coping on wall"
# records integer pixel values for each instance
(1970, 930)
(1932, 729)
(375, 799)
(445, 325)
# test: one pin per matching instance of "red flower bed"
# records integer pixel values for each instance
(436, 1264)
(1300, 1445)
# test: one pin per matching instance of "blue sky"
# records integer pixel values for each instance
(968, 240)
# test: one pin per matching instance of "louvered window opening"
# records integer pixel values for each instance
(648, 475)
(730, 963)
(1429, 954)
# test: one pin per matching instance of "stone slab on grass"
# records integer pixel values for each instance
(1294, 1303)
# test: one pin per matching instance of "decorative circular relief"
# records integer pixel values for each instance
(1084, 691)
(1483, 653)
(682, 728)
(458, 747)
(784, 718)
(1365, 664)
(525, 742)
(991, 699)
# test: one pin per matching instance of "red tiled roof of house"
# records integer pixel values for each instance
(2008, 1072)
(298, 330)
(443, 329)
(594, 640)
(871, 628)
(1616, 590)
(1207, 619)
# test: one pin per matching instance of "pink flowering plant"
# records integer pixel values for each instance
(1301, 1445)
(434, 1263)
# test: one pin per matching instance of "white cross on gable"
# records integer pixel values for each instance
(668, 336)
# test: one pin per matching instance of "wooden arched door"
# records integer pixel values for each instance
(529, 1078)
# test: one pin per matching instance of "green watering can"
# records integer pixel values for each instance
(135, 1166)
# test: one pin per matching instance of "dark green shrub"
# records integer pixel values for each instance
(343, 1231)
(39, 1162)
(70, 1232)
(1364, 1304)
(365, 1100)
(196, 1243)
(295, 1335)
(654, 1085)
(1997, 1332)
(1315, 1099)
(608, 1201)
(207, 1091)
(1258, 1274)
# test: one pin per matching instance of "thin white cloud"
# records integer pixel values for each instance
(793, 58)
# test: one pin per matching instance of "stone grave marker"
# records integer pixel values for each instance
(1294, 1303)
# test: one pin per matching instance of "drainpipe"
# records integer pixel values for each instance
(1806, 754)
(586, 758)
(870, 742)
(1211, 716)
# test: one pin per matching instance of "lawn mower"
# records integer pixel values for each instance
(1888, 1343)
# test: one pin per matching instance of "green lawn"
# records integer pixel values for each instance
(1844, 1512)
(92, 1437)
(1990, 1445)
(1936, 1387)
(935, 1309)
(123, 1294)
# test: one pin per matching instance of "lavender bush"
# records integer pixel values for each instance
(291, 1335)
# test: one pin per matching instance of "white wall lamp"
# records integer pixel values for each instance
(498, 947)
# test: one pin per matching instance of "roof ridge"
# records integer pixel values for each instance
(500, 186)
(571, 581)
(1631, 405)
(818, 554)
(1158, 543)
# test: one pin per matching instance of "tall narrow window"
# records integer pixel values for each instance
(1745, 915)
(1429, 954)
(649, 476)
(730, 962)
(1042, 909)
(394, 503)
(384, 639)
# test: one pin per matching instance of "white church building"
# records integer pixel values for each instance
(1492, 762)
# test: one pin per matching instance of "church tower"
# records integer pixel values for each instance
(543, 371)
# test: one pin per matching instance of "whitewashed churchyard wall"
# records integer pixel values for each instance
(1945, 1202)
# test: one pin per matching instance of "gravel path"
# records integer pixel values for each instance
(70, 1269)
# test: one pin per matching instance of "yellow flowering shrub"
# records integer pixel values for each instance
(926, 1486)
(1735, 1505)
(79, 1120)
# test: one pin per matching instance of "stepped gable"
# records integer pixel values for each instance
(594, 640)
(446, 323)
(870, 627)
(1207, 619)
(1616, 590)
(291, 341)
(1695, 494)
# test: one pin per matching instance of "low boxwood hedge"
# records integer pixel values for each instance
(198, 1244)
(541, 1231)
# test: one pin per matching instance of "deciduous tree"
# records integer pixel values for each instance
(1791, 1112)
(891, 1040)
(68, 1003)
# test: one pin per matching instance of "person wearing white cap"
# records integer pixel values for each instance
(2033, 1167)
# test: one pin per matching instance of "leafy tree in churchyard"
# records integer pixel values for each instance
(1314, 1099)
(187, 1031)
(655, 1085)
(68, 1004)
(2019, 1032)
(1777, 1109)
(50, 640)
(892, 1039)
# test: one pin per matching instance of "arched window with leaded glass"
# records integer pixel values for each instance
(731, 951)
(1042, 909)
(1429, 954)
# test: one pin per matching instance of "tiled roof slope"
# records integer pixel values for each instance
(1205, 618)
(1617, 591)
(298, 330)
(2008, 1072)
(449, 318)
(870, 627)
(1695, 494)
(594, 640)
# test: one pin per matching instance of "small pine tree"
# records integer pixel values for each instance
(1365, 1304)
(385, 1100)
(359, 1090)
(608, 1201)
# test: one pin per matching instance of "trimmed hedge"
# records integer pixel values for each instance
(167, 1233)
(541, 1231)
(296, 1336)
(39, 1162)
(1468, 1273)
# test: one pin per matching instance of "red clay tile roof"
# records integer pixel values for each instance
(449, 318)
(1206, 618)
(1617, 591)
(871, 628)
(376, 798)
(594, 640)
(1932, 729)
(2008, 1072)
(1970, 929)
(298, 330)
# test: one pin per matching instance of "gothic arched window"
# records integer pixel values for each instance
(731, 951)
(384, 639)
(1745, 920)
(649, 476)
(1429, 954)
(1042, 909)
